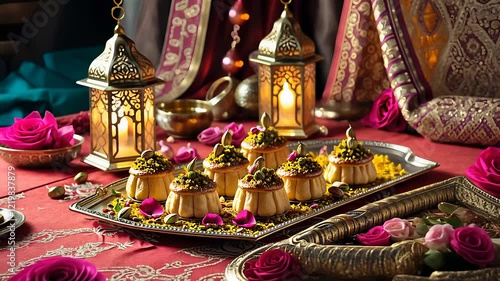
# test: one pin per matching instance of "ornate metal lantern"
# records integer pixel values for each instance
(287, 77)
(122, 111)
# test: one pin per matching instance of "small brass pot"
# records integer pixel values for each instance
(184, 118)
(224, 105)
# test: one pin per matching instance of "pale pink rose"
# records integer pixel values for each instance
(210, 136)
(438, 237)
(399, 229)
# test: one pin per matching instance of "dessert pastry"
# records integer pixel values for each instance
(193, 194)
(150, 176)
(225, 165)
(350, 162)
(261, 192)
(302, 175)
(265, 141)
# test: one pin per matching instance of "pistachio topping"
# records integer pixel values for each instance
(227, 138)
(266, 137)
(192, 180)
(301, 165)
(350, 155)
(155, 163)
(262, 178)
(226, 156)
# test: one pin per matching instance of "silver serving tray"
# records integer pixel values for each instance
(414, 165)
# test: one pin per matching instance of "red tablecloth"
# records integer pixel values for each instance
(51, 229)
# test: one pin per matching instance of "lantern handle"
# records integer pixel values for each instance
(286, 2)
(118, 7)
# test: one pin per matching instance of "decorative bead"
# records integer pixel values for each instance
(238, 14)
(231, 62)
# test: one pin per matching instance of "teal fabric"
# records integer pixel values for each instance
(51, 86)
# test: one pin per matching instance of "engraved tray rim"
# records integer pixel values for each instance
(459, 187)
(87, 205)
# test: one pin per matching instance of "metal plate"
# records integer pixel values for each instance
(414, 165)
(12, 217)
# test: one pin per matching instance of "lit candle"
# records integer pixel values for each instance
(125, 137)
(287, 108)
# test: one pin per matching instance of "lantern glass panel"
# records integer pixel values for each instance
(309, 93)
(265, 90)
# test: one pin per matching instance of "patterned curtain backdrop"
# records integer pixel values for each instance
(441, 59)
(198, 35)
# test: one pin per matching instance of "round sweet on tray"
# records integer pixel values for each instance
(150, 176)
(350, 162)
(225, 165)
(265, 141)
(302, 175)
(193, 194)
(261, 192)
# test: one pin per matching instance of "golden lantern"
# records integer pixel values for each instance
(122, 111)
(287, 77)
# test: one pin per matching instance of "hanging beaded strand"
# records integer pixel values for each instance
(232, 63)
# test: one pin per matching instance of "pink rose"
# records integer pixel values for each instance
(474, 245)
(186, 154)
(399, 229)
(210, 136)
(35, 133)
(438, 237)
(376, 236)
(238, 133)
(273, 265)
(59, 268)
(385, 114)
(485, 173)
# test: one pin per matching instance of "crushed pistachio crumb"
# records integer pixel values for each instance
(267, 178)
(229, 157)
(268, 137)
(157, 163)
(350, 155)
(301, 165)
(192, 180)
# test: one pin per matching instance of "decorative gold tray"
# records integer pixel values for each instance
(414, 165)
(320, 251)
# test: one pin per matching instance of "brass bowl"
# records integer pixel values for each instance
(184, 118)
(42, 158)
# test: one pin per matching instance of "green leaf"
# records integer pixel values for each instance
(447, 208)
(434, 259)
(455, 222)
(113, 192)
(117, 207)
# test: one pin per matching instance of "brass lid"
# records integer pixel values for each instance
(286, 41)
(120, 66)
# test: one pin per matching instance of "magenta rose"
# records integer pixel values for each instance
(485, 173)
(399, 229)
(35, 133)
(273, 265)
(186, 154)
(474, 245)
(376, 236)
(210, 136)
(438, 237)
(238, 133)
(61, 269)
(385, 114)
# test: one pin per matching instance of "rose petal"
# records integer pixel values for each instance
(150, 208)
(186, 154)
(210, 136)
(245, 219)
(292, 156)
(166, 150)
(376, 236)
(65, 137)
(238, 132)
(210, 218)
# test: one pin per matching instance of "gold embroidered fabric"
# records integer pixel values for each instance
(357, 71)
(441, 58)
